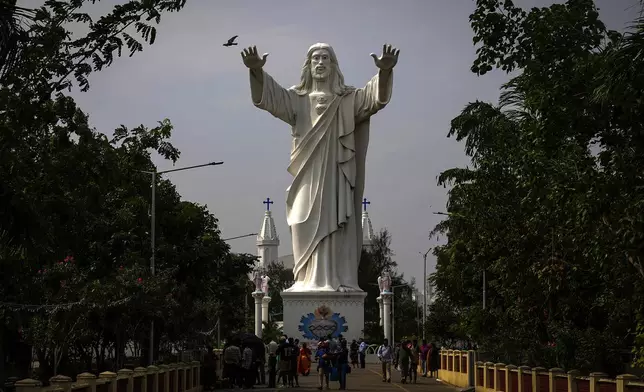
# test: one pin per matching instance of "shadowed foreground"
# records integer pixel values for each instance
(370, 380)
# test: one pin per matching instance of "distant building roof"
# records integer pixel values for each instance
(288, 261)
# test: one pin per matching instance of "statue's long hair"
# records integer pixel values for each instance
(336, 79)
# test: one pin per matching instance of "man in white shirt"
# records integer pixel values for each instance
(362, 353)
(232, 362)
(385, 354)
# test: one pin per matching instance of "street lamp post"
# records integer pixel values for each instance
(425, 288)
(415, 296)
(154, 173)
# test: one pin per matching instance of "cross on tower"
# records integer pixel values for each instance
(268, 203)
(364, 203)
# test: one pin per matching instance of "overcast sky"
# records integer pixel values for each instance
(202, 87)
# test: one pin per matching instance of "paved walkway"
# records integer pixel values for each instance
(370, 380)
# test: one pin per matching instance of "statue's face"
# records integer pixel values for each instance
(320, 64)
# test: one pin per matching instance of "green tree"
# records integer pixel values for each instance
(233, 289)
(442, 324)
(539, 210)
(620, 86)
(13, 22)
(70, 190)
(281, 279)
(373, 263)
(272, 332)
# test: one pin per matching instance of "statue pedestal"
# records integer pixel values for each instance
(311, 315)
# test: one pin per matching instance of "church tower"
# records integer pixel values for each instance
(367, 228)
(267, 239)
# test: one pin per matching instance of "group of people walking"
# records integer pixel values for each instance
(357, 353)
(287, 361)
(409, 358)
(245, 367)
(332, 358)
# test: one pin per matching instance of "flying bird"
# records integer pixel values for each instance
(231, 41)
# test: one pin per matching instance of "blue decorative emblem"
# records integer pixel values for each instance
(322, 323)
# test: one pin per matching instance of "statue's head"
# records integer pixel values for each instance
(321, 65)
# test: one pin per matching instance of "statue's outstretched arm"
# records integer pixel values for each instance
(377, 93)
(256, 85)
(385, 63)
(255, 65)
(266, 93)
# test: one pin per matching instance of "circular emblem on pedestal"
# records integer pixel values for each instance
(322, 323)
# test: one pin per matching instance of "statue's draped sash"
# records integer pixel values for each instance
(328, 168)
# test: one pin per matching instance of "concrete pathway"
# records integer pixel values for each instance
(370, 380)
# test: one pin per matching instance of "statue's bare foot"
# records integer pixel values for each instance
(347, 289)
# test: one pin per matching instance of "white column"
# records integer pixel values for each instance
(258, 295)
(379, 299)
(386, 304)
(265, 303)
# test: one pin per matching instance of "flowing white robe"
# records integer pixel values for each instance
(328, 168)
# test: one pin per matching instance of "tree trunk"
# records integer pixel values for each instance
(3, 376)
(100, 357)
(23, 359)
(157, 339)
(56, 360)
(144, 358)
(44, 365)
(119, 351)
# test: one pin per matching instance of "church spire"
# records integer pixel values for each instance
(367, 228)
(267, 239)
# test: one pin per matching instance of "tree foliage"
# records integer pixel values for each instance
(13, 24)
(271, 332)
(372, 264)
(281, 279)
(551, 207)
(75, 227)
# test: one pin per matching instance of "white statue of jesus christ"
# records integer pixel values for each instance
(330, 128)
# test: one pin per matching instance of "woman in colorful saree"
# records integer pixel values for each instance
(304, 360)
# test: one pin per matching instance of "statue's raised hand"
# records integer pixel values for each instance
(388, 59)
(251, 58)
